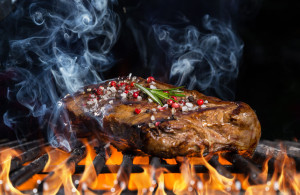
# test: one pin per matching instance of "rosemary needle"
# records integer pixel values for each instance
(159, 94)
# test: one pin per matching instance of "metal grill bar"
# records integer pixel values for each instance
(76, 156)
(11, 143)
(214, 161)
(19, 177)
(26, 156)
(124, 172)
(251, 167)
(99, 160)
(244, 166)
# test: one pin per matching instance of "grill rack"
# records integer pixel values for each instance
(20, 173)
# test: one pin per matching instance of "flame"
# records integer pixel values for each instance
(285, 178)
(32, 183)
(171, 161)
(6, 186)
(141, 160)
(115, 158)
(222, 160)
(61, 175)
(288, 180)
(55, 158)
(89, 176)
(141, 181)
(216, 180)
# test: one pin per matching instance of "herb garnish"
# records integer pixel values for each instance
(159, 94)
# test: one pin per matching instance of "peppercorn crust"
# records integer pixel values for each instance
(117, 112)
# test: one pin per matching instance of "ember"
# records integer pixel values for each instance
(96, 168)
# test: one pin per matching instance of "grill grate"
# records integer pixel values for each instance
(21, 172)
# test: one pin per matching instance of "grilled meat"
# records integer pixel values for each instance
(110, 111)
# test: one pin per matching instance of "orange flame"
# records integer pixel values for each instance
(285, 178)
(61, 175)
(89, 176)
(288, 180)
(6, 186)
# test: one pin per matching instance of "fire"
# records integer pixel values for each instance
(89, 177)
(6, 186)
(61, 176)
(150, 179)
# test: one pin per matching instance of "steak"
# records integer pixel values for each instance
(137, 124)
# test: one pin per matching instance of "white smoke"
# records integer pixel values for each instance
(68, 48)
(205, 61)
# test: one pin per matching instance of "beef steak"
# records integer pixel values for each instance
(108, 110)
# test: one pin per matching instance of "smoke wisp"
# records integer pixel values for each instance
(204, 61)
(67, 48)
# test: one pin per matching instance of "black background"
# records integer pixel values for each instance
(269, 69)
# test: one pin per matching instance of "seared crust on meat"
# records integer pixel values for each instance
(215, 126)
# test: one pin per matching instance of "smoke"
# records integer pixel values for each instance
(204, 61)
(58, 47)
(67, 47)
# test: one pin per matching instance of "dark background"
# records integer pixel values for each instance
(269, 69)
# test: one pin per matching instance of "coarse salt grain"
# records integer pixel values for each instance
(150, 100)
(152, 118)
(89, 102)
(205, 101)
(113, 89)
(105, 97)
(151, 125)
(111, 102)
(173, 110)
(123, 95)
(203, 106)
(139, 98)
(184, 108)
(152, 87)
(190, 105)
(153, 109)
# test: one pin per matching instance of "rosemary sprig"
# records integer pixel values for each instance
(158, 94)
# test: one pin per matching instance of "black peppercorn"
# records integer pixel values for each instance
(191, 98)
